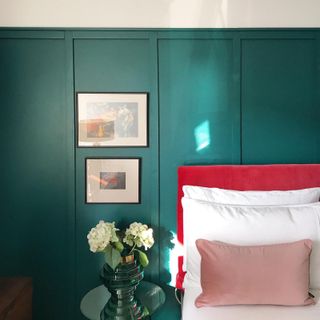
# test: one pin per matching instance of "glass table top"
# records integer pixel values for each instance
(151, 296)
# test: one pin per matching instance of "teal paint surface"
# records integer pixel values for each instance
(280, 112)
(227, 96)
(116, 65)
(196, 120)
(34, 193)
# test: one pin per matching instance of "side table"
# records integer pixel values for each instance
(150, 295)
(16, 298)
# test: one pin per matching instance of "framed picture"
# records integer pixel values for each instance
(111, 180)
(112, 119)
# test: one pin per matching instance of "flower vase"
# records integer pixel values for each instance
(122, 283)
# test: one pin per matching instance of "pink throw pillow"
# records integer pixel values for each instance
(269, 274)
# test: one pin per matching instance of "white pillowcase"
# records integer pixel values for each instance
(248, 225)
(217, 195)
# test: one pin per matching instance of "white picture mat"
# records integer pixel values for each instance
(128, 195)
(85, 99)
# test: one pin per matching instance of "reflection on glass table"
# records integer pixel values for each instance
(150, 295)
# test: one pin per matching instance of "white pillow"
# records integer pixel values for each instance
(217, 195)
(248, 225)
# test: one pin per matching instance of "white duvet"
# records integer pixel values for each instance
(190, 312)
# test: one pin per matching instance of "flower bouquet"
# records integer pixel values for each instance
(125, 260)
(107, 239)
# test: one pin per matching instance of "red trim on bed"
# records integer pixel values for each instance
(243, 177)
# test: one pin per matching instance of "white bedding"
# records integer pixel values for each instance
(190, 312)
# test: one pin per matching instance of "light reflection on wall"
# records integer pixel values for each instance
(202, 135)
(175, 251)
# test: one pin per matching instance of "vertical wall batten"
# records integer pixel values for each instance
(70, 125)
(236, 94)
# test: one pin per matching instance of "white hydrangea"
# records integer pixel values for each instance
(140, 235)
(101, 236)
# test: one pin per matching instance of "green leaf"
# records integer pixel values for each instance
(119, 246)
(112, 257)
(146, 312)
(143, 258)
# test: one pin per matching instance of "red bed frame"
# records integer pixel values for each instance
(243, 177)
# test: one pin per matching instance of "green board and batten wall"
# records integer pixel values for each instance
(215, 96)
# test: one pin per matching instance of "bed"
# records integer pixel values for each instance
(190, 312)
(244, 177)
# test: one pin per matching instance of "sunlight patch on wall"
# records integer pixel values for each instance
(175, 251)
(202, 135)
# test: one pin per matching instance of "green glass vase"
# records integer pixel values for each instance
(122, 283)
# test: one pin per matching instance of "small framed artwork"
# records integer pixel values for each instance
(112, 119)
(111, 180)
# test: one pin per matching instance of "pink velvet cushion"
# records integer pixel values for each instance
(270, 274)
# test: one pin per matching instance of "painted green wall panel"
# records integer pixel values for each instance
(279, 101)
(214, 97)
(34, 171)
(197, 108)
(112, 64)
(108, 65)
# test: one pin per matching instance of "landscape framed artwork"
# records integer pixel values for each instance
(113, 180)
(112, 119)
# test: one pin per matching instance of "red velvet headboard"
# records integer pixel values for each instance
(243, 177)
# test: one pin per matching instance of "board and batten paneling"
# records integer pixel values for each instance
(199, 118)
(115, 64)
(215, 97)
(36, 151)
